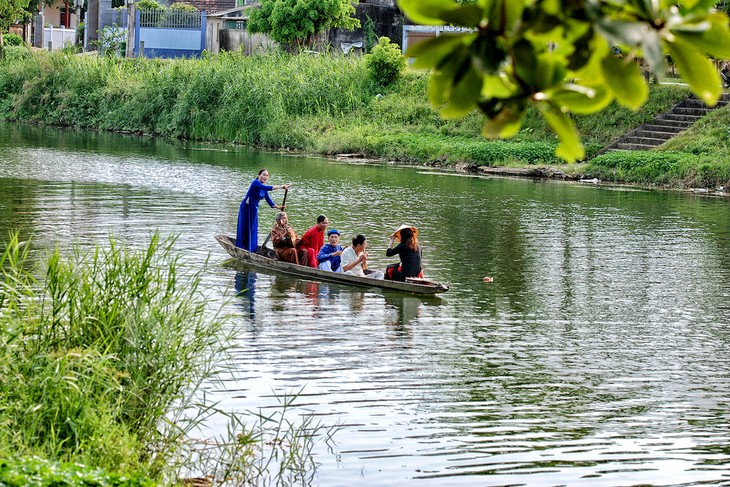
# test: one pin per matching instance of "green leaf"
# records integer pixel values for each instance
(505, 14)
(428, 12)
(525, 62)
(550, 70)
(624, 78)
(570, 149)
(431, 52)
(504, 121)
(696, 70)
(488, 54)
(578, 99)
(714, 39)
(465, 16)
(464, 95)
(498, 87)
(448, 74)
(651, 47)
(629, 33)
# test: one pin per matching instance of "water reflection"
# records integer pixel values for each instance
(246, 288)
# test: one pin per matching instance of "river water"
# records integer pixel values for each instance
(598, 356)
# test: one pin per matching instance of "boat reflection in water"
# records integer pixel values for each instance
(246, 288)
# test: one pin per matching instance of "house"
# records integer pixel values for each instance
(227, 28)
(55, 25)
(227, 32)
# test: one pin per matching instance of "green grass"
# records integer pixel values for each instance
(697, 157)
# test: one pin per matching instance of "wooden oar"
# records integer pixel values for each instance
(283, 206)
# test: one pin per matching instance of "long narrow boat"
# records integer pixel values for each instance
(264, 260)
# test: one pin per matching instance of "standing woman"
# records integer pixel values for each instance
(247, 235)
(409, 252)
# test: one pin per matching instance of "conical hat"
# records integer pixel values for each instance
(396, 234)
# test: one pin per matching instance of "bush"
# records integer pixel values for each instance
(12, 39)
(149, 5)
(385, 63)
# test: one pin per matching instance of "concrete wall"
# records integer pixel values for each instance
(388, 22)
(241, 40)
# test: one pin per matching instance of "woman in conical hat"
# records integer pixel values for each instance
(397, 234)
(409, 252)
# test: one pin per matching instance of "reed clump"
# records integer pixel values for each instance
(101, 352)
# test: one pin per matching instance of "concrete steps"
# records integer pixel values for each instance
(665, 126)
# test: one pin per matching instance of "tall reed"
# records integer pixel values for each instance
(101, 355)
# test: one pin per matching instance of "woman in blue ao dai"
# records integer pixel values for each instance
(247, 235)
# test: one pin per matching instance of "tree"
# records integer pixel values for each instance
(557, 56)
(11, 11)
(296, 23)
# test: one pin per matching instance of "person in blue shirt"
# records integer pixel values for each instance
(247, 234)
(329, 255)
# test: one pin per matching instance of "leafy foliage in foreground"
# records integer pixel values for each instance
(558, 57)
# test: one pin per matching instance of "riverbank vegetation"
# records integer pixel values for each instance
(103, 353)
(323, 104)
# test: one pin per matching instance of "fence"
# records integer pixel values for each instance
(170, 19)
(58, 37)
(169, 33)
(114, 17)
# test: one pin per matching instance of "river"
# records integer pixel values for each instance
(598, 356)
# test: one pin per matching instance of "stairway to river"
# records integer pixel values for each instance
(665, 126)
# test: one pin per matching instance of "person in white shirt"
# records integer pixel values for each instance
(354, 260)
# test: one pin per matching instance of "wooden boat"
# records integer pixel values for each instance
(264, 259)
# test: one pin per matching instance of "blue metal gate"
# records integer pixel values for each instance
(169, 33)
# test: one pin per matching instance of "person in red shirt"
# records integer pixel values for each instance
(313, 240)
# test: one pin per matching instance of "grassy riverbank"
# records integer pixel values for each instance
(320, 104)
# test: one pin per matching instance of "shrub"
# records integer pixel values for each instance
(149, 5)
(12, 39)
(182, 7)
(385, 63)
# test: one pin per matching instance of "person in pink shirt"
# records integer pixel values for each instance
(313, 240)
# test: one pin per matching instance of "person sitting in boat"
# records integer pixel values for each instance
(354, 260)
(285, 240)
(329, 255)
(313, 240)
(409, 252)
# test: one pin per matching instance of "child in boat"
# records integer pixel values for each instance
(329, 255)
